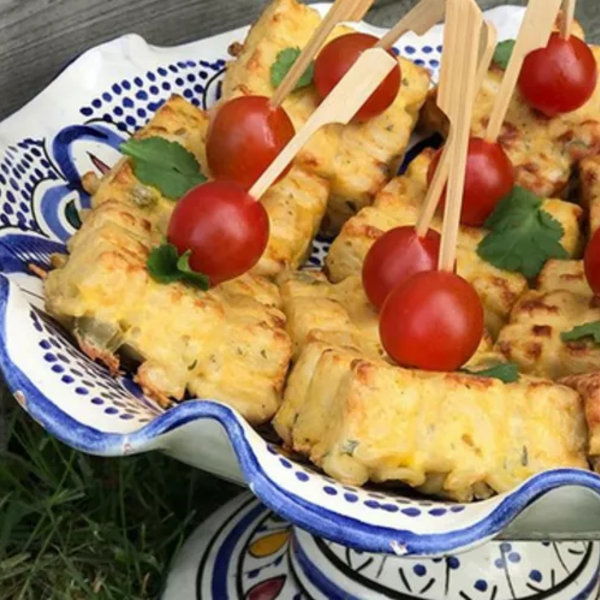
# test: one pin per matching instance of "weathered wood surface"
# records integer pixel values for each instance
(39, 37)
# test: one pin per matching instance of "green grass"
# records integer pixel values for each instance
(79, 527)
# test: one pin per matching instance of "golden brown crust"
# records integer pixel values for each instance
(545, 151)
(588, 386)
(448, 434)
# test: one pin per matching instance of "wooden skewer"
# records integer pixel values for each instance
(487, 47)
(463, 47)
(535, 32)
(342, 10)
(38, 271)
(568, 18)
(344, 101)
(420, 20)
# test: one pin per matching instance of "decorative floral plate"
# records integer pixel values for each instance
(76, 124)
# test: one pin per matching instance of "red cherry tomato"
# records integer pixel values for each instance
(592, 263)
(336, 59)
(490, 177)
(244, 137)
(559, 78)
(394, 257)
(225, 229)
(433, 321)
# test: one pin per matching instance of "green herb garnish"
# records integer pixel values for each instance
(507, 372)
(284, 62)
(503, 53)
(166, 266)
(349, 446)
(164, 165)
(523, 236)
(588, 330)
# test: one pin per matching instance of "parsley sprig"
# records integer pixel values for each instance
(164, 165)
(506, 372)
(581, 332)
(284, 62)
(523, 236)
(503, 53)
(166, 266)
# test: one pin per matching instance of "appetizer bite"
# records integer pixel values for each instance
(357, 159)
(228, 343)
(359, 417)
(294, 206)
(399, 204)
(544, 147)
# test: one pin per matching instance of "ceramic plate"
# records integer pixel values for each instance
(75, 125)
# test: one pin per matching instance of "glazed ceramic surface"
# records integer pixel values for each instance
(77, 125)
(246, 551)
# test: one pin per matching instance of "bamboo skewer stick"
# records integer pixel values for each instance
(465, 35)
(534, 33)
(488, 41)
(419, 20)
(340, 106)
(568, 18)
(342, 10)
(487, 48)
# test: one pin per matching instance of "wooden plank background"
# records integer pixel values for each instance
(39, 37)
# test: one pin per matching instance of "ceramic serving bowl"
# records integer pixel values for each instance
(75, 125)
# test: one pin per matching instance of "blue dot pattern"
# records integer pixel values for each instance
(22, 168)
(85, 378)
(426, 56)
(129, 103)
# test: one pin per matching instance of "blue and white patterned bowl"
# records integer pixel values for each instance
(75, 125)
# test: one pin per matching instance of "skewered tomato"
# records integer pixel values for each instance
(490, 177)
(592, 263)
(559, 78)
(336, 59)
(396, 256)
(224, 227)
(433, 321)
(244, 137)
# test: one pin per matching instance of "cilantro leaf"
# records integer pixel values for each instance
(165, 165)
(284, 62)
(523, 236)
(506, 372)
(166, 266)
(503, 53)
(583, 331)
(198, 279)
(162, 263)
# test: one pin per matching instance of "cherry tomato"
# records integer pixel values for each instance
(592, 263)
(224, 227)
(490, 177)
(433, 321)
(244, 137)
(396, 256)
(559, 78)
(336, 59)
